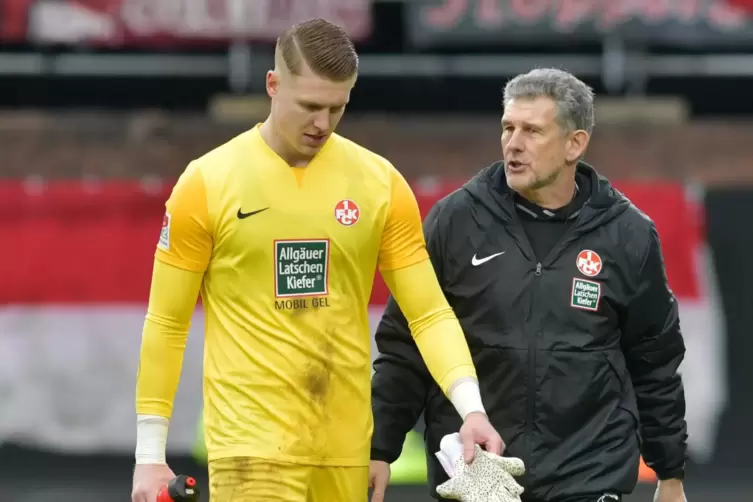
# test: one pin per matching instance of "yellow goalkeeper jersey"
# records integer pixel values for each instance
(288, 257)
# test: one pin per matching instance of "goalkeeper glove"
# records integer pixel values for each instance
(489, 478)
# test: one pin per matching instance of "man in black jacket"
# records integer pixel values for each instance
(559, 284)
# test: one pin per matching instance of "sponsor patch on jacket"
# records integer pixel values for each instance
(585, 295)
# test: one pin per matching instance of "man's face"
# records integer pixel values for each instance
(534, 146)
(307, 107)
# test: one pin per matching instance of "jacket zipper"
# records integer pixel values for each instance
(531, 394)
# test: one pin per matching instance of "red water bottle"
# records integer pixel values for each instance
(180, 489)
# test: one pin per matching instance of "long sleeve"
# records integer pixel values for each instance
(432, 323)
(654, 348)
(171, 304)
(182, 256)
(408, 273)
(401, 380)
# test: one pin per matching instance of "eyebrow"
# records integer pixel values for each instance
(314, 104)
(524, 123)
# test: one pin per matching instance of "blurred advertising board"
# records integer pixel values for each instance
(170, 23)
(685, 23)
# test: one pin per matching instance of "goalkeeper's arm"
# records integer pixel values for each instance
(172, 300)
(437, 334)
(407, 269)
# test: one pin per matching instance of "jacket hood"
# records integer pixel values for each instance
(605, 203)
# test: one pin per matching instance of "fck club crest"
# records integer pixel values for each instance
(589, 263)
(347, 212)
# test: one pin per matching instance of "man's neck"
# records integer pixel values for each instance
(553, 196)
(277, 144)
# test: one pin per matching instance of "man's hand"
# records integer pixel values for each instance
(670, 490)
(148, 480)
(379, 478)
(477, 430)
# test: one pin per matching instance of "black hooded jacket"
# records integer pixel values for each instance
(577, 353)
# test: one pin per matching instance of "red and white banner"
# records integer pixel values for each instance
(743, 5)
(169, 23)
(75, 265)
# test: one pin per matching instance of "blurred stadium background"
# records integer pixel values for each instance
(104, 102)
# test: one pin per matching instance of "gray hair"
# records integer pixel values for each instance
(574, 99)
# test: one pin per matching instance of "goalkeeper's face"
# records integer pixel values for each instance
(307, 107)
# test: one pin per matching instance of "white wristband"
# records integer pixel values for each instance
(465, 395)
(151, 439)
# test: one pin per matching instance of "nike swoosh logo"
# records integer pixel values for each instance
(480, 261)
(242, 215)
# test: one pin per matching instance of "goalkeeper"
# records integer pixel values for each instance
(280, 230)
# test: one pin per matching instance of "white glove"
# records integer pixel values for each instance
(489, 478)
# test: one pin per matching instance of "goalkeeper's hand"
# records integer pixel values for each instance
(489, 478)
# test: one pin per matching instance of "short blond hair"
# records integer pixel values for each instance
(322, 46)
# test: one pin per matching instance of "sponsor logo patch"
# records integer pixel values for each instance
(301, 267)
(585, 294)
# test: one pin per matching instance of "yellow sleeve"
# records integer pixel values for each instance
(172, 300)
(433, 324)
(186, 238)
(403, 237)
(182, 256)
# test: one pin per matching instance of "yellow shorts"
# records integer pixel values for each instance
(245, 479)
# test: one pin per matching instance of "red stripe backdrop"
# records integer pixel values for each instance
(69, 242)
